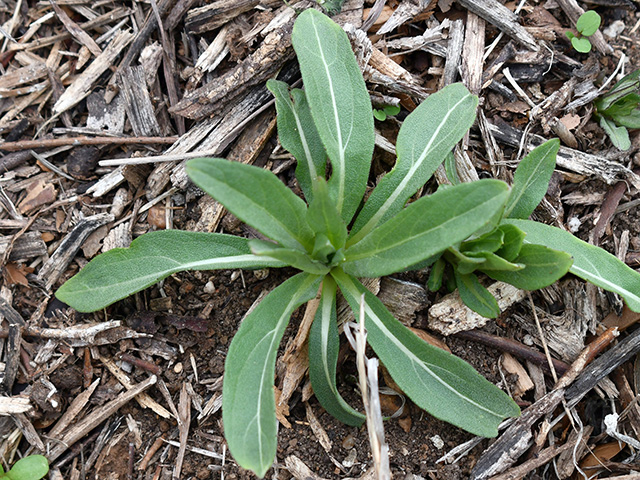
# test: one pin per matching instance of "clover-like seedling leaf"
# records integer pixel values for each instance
(33, 467)
(581, 44)
(588, 23)
(380, 115)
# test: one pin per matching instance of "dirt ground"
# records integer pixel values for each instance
(180, 330)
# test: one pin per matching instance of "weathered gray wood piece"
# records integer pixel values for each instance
(82, 85)
(26, 246)
(454, 52)
(61, 258)
(405, 12)
(216, 14)
(138, 101)
(574, 160)
(262, 64)
(504, 19)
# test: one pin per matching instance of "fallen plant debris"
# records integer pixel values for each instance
(92, 93)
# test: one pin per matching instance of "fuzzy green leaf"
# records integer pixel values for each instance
(248, 400)
(627, 85)
(451, 169)
(290, 256)
(121, 272)
(489, 242)
(495, 262)
(475, 296)
(590, 263)
(619, 136)
(426, 227)
(427, 135)
(33, 467)
(542, 267)
(298, 134)
(440, 383)
(340, 105)
(436, 274)
(622, 107)
(324, 218)
(512, 242)
(632, 120)
(463, 263)
(531, 180)
(324, 344)
(257, 197)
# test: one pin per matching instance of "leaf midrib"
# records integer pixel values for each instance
(373, 221)
(405, 240)
(414, 360)
(341, 148)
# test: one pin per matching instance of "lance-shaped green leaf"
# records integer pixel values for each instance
(542, 267)
(426, 137)
(531, 180)
(257, 197)
(451, 169)
(590, 263)
(440, 383)
(475, 296)
(323, 216)
(629, 84)
(489, 242)
(463, 263)
(619, 136)
(340, 105)
(511, 242)
(632, 120)
(436, 274)
(248, 400)
(426, 227)
(298, 134)
(290, 256)
(324, 343)
(120, 272)
(495, 262)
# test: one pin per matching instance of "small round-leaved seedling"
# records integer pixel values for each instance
(587, 25)
(33, 467)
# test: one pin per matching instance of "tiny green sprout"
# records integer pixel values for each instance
(587, 25)
(387, 111)
(467, 232)
(33, 467)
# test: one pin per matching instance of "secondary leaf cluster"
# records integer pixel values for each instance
(619, 110)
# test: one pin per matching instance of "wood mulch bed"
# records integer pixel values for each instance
(100, 108)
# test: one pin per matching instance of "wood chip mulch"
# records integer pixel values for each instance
(102, 102)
